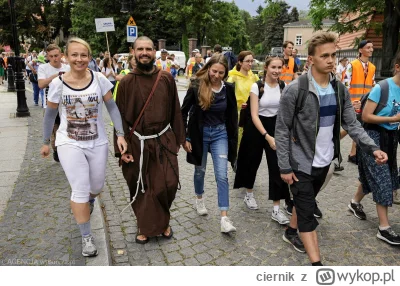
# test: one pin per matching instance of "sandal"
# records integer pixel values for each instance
(141, 241)
(171, 233)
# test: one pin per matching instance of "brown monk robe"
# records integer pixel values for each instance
(160, 167)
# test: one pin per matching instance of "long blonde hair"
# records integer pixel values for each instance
(206, 96)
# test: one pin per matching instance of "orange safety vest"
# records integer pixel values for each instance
(360, 84)
(288, 71)
(191, 65)
(159, 65)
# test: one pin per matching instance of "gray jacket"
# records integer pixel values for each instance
(295, 145)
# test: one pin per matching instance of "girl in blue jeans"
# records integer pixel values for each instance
(210, 104)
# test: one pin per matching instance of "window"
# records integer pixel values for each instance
(299, 40)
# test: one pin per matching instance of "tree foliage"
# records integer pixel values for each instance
(337, 9)
(37, 20)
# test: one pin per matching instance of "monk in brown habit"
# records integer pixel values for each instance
(150, 166)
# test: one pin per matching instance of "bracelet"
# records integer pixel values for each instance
(265, 134)
(46, 141)
(187, 139)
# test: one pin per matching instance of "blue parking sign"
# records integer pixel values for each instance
(131, 33)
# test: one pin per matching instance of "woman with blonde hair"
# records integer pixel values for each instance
(212, 127)
(82, 143)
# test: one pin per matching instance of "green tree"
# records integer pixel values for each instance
(336, 9)
(37, 20)
(294, 15)
(275, 16)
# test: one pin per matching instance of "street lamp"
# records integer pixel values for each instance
(17, 63)
(126, 6)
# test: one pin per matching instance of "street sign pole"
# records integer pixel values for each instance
(108, 48)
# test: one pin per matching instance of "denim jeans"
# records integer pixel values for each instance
(42, 96)
(36, 91)
(215, 140)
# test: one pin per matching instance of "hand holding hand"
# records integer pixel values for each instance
(127, 158)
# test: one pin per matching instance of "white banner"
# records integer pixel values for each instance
(104, 25)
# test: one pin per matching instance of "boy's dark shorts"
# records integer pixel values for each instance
(304, 192)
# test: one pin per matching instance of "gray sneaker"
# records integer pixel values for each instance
(280, 217)
(88, 246)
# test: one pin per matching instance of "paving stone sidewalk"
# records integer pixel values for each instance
(343, 239)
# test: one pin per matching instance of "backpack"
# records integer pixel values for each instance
(245, 114)
(384, 84)
(302, 97)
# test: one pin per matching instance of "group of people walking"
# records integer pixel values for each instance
(296, 122)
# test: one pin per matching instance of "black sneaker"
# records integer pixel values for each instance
(357, 210)
(338, 168)
(389, 236)
(317, 211)
(295, 241)
(55, 156)
(352, 159)
(289, 207)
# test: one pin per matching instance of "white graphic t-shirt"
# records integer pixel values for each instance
(80, 111)
(46, 71)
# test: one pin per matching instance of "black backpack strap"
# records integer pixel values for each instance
(260, 85)
(384, 84)
(302, 93)
(281, 84)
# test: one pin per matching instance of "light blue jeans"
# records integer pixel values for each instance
(215, 140)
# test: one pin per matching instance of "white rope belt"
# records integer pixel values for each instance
(140, 177)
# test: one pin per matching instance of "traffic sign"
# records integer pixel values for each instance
(131, 33)
(131, 22)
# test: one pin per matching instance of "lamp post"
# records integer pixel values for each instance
(126, 6)
(17, 64)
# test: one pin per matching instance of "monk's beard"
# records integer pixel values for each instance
(145, 67)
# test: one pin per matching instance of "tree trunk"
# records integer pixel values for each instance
(391, 26)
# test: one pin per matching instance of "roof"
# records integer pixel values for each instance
(307, 23)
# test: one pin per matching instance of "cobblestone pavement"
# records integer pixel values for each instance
(37, 227)
(343, 239)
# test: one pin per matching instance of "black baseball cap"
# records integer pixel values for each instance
(363, 43)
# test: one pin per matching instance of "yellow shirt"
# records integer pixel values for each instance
(242, 85)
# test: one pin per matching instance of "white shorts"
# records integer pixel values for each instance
(85, 169)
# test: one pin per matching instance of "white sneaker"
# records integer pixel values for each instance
(88, 247)
(200, 207)
(396, 197)
(226, 225)
(250, 202)
(280, 217)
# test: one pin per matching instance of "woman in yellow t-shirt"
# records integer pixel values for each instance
(243, 78)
